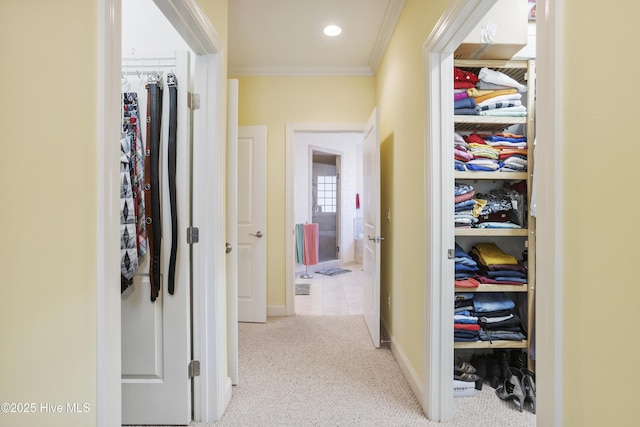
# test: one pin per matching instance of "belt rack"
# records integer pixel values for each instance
(144, 66)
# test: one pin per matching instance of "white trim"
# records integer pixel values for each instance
(298, 71)
(290, 154)
(192, 24)
(456, 22)
(389, 22)
(202, 38)
(232, 229)
(405, 365)
(548, 179)
(108, 346)
(209, 263)
(276, 310)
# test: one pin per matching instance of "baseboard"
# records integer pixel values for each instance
(276, 310)
(405, 366)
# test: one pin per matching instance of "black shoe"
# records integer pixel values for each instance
(480, 363)
(504, 361)
(518, 359)
(493, 371)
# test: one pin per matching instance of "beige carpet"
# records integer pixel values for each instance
(324, 371)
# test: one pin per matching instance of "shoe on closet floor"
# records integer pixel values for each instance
(518, 359)
(493, 371)
(529, 387)
(504, 361)
(511, 389)
(462, 366)
(480, 363)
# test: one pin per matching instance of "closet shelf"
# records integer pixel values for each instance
(491, 232)
(508, 176)
(486, 124)
(494, 288)
(490, 344)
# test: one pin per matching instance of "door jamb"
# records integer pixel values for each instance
(199, 33)
(338, 154)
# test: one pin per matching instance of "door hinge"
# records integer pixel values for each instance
(194, 368)
(337, 249)
(450, 254)
(193, 101)
(193, 235)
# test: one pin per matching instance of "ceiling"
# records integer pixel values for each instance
(284, 37)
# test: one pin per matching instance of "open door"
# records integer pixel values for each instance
(252, 224)
(371, 204)
(232, 230)
(156, 336)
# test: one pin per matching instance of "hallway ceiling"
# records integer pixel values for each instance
(284, 37)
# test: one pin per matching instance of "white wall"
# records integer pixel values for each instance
(346, 145)
(145, 29)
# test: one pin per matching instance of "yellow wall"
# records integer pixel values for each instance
(400, 94)
(276, 101)
(601, 237)
(48, 214)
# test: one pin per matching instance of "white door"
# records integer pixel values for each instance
(156, 336)
(232, 230)
(252, 224)
(371, 205)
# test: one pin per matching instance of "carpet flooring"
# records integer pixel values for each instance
(324, 371)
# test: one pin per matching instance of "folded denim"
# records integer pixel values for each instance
(492, 301)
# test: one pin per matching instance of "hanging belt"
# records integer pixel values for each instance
(171, 159)
(152, 181)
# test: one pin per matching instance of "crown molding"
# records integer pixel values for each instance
(391, 17)
(298, 71)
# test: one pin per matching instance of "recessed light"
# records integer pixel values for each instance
(332, 30)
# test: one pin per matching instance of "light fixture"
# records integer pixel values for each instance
(332, 30)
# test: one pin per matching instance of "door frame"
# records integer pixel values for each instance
(211, 393)
(338, 155)
(457, 21)
(289, 238)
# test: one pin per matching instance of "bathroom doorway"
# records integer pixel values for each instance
(327, 186)
(325, 202)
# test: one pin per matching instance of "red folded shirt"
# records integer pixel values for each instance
(469, 282)
(467, 326)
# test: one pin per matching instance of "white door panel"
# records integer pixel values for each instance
(252, 223)
(156, 336)
(232, 230)
(372, 239)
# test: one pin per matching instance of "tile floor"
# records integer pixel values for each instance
(332, 295)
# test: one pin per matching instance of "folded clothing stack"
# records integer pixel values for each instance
(489, 93)
(505, 152)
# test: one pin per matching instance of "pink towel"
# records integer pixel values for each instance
(311, 244)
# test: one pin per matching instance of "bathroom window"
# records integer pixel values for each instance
(327, 193)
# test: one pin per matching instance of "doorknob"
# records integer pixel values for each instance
(258, 234)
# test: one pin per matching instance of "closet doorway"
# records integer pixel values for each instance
(213, 390)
